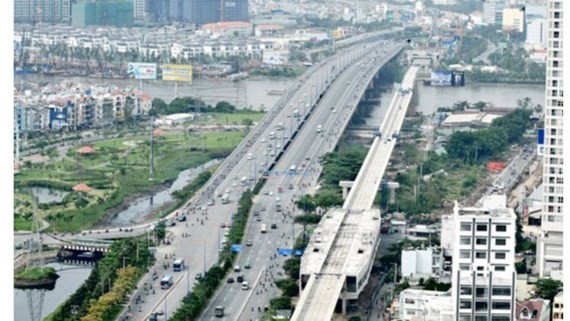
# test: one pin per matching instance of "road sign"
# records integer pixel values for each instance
(284, 252)
(140, 70)
(237, 248)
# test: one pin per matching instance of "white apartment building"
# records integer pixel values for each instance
(558, 308)
(421, 263)
(513, 19)
(549, 245)
(536, 33)
(139, 9)
(483, 274)
(422, 305)
(492, 10)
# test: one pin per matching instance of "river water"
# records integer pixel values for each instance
(45, 195)
(430, 98)
(67, 283)
(252, 93)
(142, 207)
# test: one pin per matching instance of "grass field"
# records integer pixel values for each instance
(118, 168)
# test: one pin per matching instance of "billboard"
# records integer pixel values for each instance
(458, 79)
(177, 72)
(540, 142)
(140, 70)
(441, 78)
(57, 118)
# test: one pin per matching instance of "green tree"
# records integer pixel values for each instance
(327, 199)
(547, 289)
(247, 123)
(306, 203)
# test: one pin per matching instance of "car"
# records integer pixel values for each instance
(237, 268)
(307, 157)
(223, 225)
(334, 110)
(277, 145)
(204, 208)
(171, 223)
(247, 265)
(262, 209)
(290, 186)
(198, 276)
(262, 164)
(277, 199)
(255, 212)
(248, 243)
(234, 184)
(270, 193)
(211, 202)
(272, 153)
(266, 193)
(220, 194)
(159, 312)
(273, 226)
(263, 140)
(264, 153)
(240, 278)
(285, 136)
(227, 191)
(181, 218)
(258, 219)
(231, 280)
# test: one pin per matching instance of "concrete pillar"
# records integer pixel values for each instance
(392, 191)
(344, 192)
(344, 303)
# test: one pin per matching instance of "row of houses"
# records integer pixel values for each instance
(73, 108)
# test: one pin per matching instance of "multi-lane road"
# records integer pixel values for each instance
(335, 110)
(200, 248)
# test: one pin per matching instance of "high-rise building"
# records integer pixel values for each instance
(483, 274)
(234, 10)
(139, 9)
(52, 11)
(513, 19)
(493, 12)
(536, 33)
(549, 245)
(118, 13)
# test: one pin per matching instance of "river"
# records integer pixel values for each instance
(430, 98)
(68, 282)
(252, 93)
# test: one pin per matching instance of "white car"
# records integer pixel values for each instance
(270, 193)
(277, 145)
(272, 153)
(263, 140)
(234, 184)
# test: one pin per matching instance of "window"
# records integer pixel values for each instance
(481, 306)
(501, 291)
(480, 268)
(465, 240)
(464, 304)
(464, 254)
(481, 228)
(481, 292)
(501, 305)
(466, 290)
(500, 241)
(500, 318)
(500, 268)
(464, 267)
(500, 228)
(481, 241)
(480, 255)
(500, 255)
(481, 318)
(465, 226)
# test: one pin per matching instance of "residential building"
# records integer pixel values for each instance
(513, 19)
(229, 28)
(51, 11)
(558, 308)
(492, 11)
(419, 264)
(483, 274)
(536, 33)
(422, 305)
(549, 245)
(118, 13)
(533, 310)
(139, 9)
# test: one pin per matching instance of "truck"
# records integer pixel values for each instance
(225, 199)
(219, 311)
(263, 228)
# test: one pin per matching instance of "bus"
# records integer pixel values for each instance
(166, 282)
(293, 169)
(178, 265)
(225, 199)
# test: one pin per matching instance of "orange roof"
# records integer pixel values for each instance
(85, 150)
(269, 27)
(226, 24)
(81, 187)
(146, 97)
(159, 132)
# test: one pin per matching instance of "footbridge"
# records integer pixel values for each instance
(337, 262)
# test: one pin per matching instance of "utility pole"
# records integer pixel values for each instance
(151, 177)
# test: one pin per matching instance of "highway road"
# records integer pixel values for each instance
(200, 249)
(336, 109)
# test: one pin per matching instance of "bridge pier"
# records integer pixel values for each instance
(392, 192)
